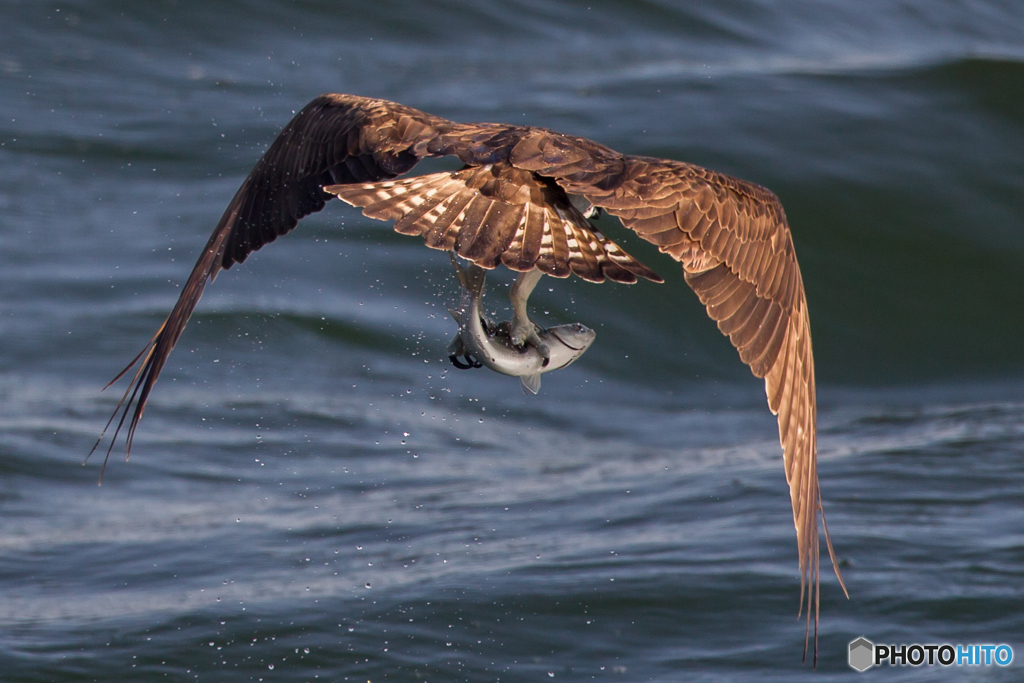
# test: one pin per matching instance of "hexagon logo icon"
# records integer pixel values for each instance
(862, 654)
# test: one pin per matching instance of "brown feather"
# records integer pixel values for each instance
(755, 352)
(732, 316)
(748, 329)
(441, 235)
(534, 235)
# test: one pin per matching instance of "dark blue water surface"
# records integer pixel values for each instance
(315, 495)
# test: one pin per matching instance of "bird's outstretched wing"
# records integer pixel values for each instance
(334, 139)
(730, 236)
(735, 246)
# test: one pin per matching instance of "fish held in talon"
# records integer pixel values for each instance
(523, 199)
(482, 343)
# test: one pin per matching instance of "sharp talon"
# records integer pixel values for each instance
(489, 325)
(534, 340)
(521, 334)
(469, 364)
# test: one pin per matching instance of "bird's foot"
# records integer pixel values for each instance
(521, 329)
(542, 348)
(526, 334)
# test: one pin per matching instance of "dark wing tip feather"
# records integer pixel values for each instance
(335, 138)
(124, 397)
(155, 355)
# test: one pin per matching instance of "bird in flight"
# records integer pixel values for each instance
(523, 199)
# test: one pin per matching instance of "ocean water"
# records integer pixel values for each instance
(315, 494)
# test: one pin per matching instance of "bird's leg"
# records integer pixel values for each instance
(524, 331)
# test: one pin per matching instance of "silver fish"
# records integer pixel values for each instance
(483, 343)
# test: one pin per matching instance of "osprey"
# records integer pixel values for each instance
(513, 204)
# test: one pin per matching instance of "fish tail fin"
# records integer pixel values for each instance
(472, 278)
(456, 315)
(530, 383)
(457, 347)
(460, 272)
(475, 279)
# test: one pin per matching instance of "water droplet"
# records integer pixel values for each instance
(367, 584)
(306, 650)
(271, 667)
